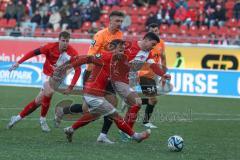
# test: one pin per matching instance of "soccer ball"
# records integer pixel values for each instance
(175, 143)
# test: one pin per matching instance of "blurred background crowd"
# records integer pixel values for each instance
(182, 21)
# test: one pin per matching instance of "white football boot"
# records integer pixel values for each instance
(150, 125)
(44, 125)
(102, 138)
(13, 121)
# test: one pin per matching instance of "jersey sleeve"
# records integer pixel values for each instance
(96, 44)
(45, 49)
(32, 54)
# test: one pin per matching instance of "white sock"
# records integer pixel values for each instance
(42, 118)
(18, 118)
(135, 135)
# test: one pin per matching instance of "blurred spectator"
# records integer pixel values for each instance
(75, 21)
(236, 10)
(182, 3)
(166, 15)
(236, 40)
(191, 17)
(93, 29)
(84, 2)
(10, 11)
(222, 40)
(112, 2)
(219, 15)
(44, 20)
(209, 16)
(36, 18)
(140, 3)
(65, 15)
(200, 18)
(126, 22)
(55, 19)
(20, 11)
(180, 15)
(33, 6)
(74, 8)
(94, 12)
(152, 2)
(160, 15)
(213, 39)
(28, 27)
(210, 4)
(43, 7)
(151, 19)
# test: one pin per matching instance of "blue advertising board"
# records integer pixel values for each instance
(213, 83)
(216, 83)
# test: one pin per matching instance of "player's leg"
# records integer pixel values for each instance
(107, 123)
(152, 101)
(82, 121)
(131, 98)
(148, 86)
(94, 111)
(28, 109)
(45, 104)
(109, 109)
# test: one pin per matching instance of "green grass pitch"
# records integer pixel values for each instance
(209, 126)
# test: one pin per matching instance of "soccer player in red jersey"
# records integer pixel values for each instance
(134, 58)
(56, 54)
(94, 92)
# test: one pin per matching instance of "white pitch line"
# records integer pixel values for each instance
(214, 114)
(178, 120)
(218, 119)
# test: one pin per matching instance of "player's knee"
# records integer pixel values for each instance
(152, 101)
(138, 101)
(112, 99)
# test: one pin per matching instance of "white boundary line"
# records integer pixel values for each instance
(173, 121)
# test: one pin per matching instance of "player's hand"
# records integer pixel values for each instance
(164, 78)
(13, 67)
(67, 91)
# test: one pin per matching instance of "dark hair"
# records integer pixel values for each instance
(114, 43)
(152, 25)
(179, 53)
(64, 34)
(116, 13)
(151, 36)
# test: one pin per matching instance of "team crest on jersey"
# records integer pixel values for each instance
(98, 55)
(93, 43)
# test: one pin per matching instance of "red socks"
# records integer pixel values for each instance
(32, 106)
(45, 105)
(123, 126)
(84, 120)
(131, 115)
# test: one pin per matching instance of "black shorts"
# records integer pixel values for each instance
(109, 88)
(148, 86)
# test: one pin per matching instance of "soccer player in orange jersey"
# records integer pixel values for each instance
(56, 54)
(147, 78)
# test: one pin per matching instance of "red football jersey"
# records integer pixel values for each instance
(99, 77)
(132, 60)
(54, 58)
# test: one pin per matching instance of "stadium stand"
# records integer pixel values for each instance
(191, 21)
